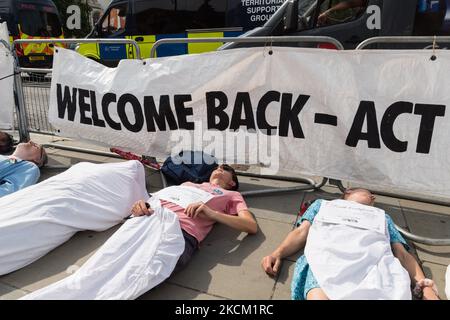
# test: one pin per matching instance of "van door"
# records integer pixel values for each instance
(159, 19)
(348, 24)
(151, 17)
(114, 24)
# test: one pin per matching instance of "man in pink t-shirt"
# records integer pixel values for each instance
(226, 206)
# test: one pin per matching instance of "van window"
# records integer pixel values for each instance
(156, 17)
(171, 17)
(431, 18)
(340, 11)
(207, 14)
(39, 21)
(114, 23)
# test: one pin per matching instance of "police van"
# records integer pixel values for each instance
(32, 19)
(353, 21)
(147, 21)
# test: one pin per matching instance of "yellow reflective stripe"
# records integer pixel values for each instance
(145, 46)
(11, 40)
(34, 48)
(90, 50)
(204, 47)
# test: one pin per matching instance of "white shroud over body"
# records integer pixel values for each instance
(349, 252)
(139, 256)
(37, 219)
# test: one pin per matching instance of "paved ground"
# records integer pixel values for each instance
(228, 264)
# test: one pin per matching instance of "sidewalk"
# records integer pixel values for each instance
(227, 265)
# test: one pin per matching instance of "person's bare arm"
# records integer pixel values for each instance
(412, 266)
(244, 221)
(294, 242)
(341, 6)
(347, 5)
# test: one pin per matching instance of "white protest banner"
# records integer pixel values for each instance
(6, 81)
(376, 118)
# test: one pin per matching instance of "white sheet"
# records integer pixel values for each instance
(183, 195)
(88, 196)
(139, 256)
(353, 262)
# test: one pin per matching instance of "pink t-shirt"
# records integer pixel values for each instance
(224, 201)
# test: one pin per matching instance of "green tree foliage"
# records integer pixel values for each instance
(85, 21)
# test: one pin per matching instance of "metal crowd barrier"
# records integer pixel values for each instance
(267, 40)
(433, 41)
(33, 86)
(307, 184)
(33, 115)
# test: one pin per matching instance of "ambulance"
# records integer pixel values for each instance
(32, 19)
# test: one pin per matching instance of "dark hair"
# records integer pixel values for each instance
(43, 159)
(6, 142)
(231, 170)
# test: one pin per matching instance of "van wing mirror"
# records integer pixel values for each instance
(290, 18)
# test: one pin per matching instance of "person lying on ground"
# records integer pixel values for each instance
(158, 240)
(21, 169)
(352, 251)
(196, 220)
(87, 196)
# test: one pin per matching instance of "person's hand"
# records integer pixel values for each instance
(323, 18)
(140, 209)
(271, 265)
(199, 209)
(429, 294)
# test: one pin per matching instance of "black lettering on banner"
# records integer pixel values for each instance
(67, 102)
(137, 110)
(183, 112)
(289, 115)
(328, 119)
(109, 98)
(367, 111)
(84, 107)
(429, 112)
(217, 111)
(97, 122)
(271, 96)
(387, 125)
(242, 102)
(165, 114)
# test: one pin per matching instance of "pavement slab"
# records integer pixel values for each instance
(59, 263)
(170, 291)
(228, 262)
